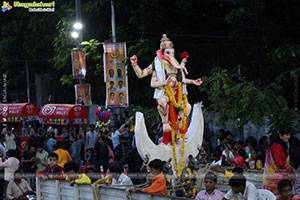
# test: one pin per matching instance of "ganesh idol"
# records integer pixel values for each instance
(169, 81)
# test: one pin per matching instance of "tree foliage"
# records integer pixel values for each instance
(238, 100)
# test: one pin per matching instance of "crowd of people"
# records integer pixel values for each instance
(109, 155)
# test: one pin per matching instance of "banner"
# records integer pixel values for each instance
(78, 64)
(83, 94)
(115, 75)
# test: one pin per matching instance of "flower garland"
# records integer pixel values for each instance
(174, 125)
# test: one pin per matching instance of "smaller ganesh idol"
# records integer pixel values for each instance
(169, 81)
(102, 117)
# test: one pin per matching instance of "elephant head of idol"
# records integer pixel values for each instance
(167, 53)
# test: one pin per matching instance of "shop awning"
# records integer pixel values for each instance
(63, 114)
(17, 112)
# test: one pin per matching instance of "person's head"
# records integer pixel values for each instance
(264, 141)
(111, 73)
(18, 176)
(284, 133)
(115, 169)
(253, 154)
(9, 130)
(40, 147)
(52, 160)
(71, 169)
(156, 166)
(120, 83)
(210, 181)
(127, 128)
(58, 145)
(112, 95)
(112, 84)
(32, 149)
(251, 142)
(92, 127)
(12, 153)
(285, 189)
(242, 152)
(113, 128)
(238, 183)
(238, 145)
(102, 140)
(122, 138)
(220, 132)
(121, 96)
(119, 72)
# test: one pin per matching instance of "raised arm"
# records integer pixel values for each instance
(140, 73)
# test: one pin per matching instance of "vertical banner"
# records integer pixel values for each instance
(115, 75)
(83, 94)
(78, 64)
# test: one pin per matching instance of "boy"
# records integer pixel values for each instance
(52, 170)
(63, 155)
(210, 191)
(71, 170)
(158, 185)
(118, 176)
(241, 190)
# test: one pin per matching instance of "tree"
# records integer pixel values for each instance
(238, 100)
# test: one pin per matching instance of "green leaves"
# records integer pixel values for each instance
(238, 100)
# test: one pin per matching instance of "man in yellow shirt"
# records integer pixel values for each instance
(63, 155)
(72, 176)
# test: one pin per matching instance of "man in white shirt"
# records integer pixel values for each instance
(118, 177)
(241, 189)
(10, 140)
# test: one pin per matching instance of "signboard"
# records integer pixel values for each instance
(78, 64)
(115, 75)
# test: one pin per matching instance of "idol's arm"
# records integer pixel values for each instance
(195, 82)
(140, 73)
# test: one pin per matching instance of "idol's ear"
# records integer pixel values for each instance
(159, 54)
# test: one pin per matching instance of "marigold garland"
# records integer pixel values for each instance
(174, 125)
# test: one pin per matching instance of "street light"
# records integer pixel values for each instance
(77, 26)
(75, 34)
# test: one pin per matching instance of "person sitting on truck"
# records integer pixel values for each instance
(158, 185)
(52, 171)
(72, 176)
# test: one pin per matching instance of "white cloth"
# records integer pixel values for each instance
(10, 142)
(122, 180)
(161, 76)
(10, 166)
(250, 193)
(231, 156)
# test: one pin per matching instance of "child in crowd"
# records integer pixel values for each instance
(240, 189)
(17, 187)
(239, 158)
(285, 190)
(63, 155)
(253, 162)
(210, 191)
(118, 176)
(158, 184)
(71, 171)
(52, 170)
